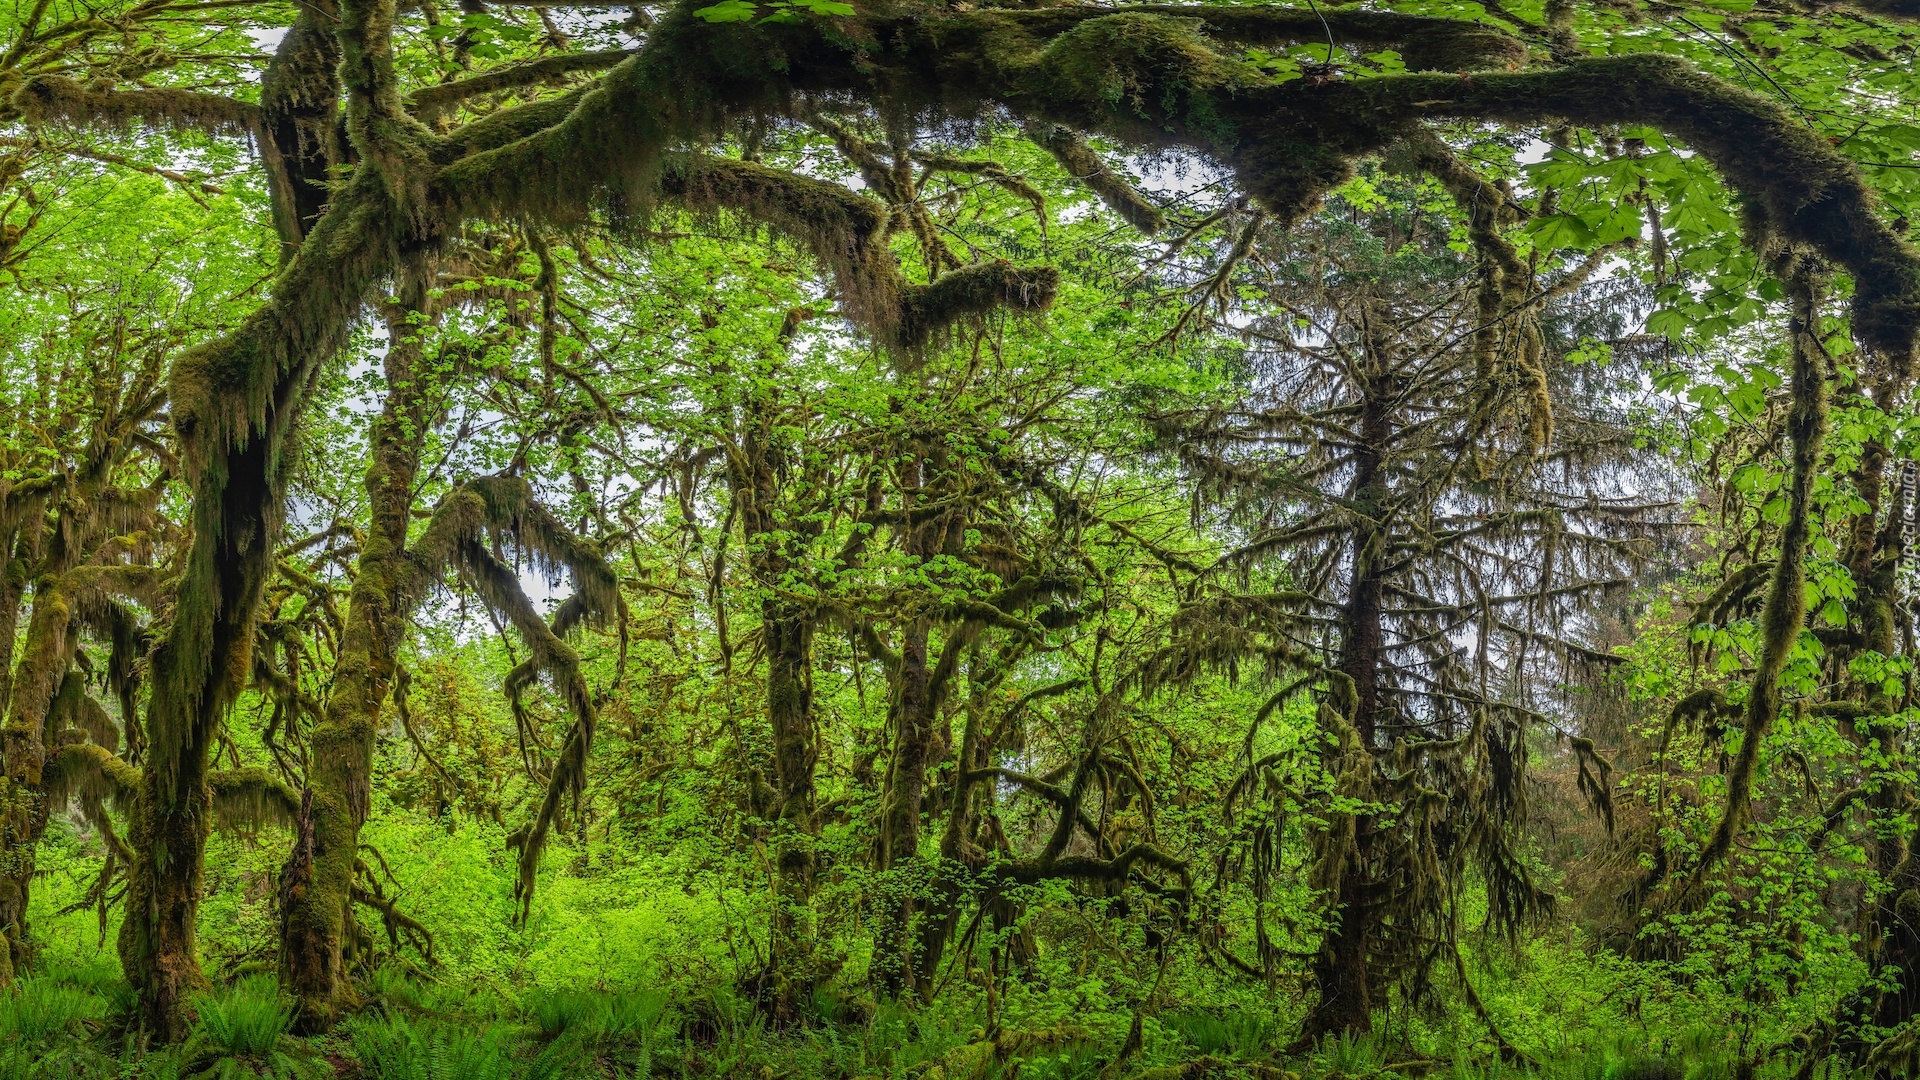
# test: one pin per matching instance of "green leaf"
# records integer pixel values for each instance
(727, 11)
(1670, 323)
(1554, 231)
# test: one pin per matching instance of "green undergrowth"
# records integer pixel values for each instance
(632, 963)
(71, 1024)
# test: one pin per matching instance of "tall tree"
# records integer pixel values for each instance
(1425, 555)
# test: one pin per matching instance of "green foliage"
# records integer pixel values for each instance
(1246, 1034)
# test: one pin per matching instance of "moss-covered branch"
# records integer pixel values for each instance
(51, 99)
(248, 799)
(91, 773)
(470, 524)
(847, 232)
(1086, 166)
(432, 102)
(1784, 613)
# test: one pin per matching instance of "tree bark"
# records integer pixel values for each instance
(23, 806)
(316, 888)
(957, 847)
(157, 938)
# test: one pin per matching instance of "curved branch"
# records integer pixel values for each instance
(1081, 868)
(1086, 166)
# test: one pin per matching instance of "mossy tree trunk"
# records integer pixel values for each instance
(198, 669)
(1341, 972)
(234, 404)
(793, 966)
(758, 464)
(23, 805)
(906, 779)
(300, 122)
(1876, 548)
(157, 938)
(316, 889)
(914, 708)
(962, 854)
(13, 581)
(46, 690)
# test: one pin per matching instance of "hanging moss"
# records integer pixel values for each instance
(91, 773)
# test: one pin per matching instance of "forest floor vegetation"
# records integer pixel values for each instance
(610, 979)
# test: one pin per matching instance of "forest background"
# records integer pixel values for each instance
(957, 540)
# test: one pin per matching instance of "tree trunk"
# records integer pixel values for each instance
(316, 887)
(300, 123)
(794, 968)
(239, 486)
(899, 847)
(157, 938)
(1340, 971)
(956, 841)
(1892, 939)
(238, 517)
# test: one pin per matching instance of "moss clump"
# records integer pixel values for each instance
(973, 292)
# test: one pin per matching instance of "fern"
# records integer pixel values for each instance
(396, 1048)
(38, 1011)
(245, 1033)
